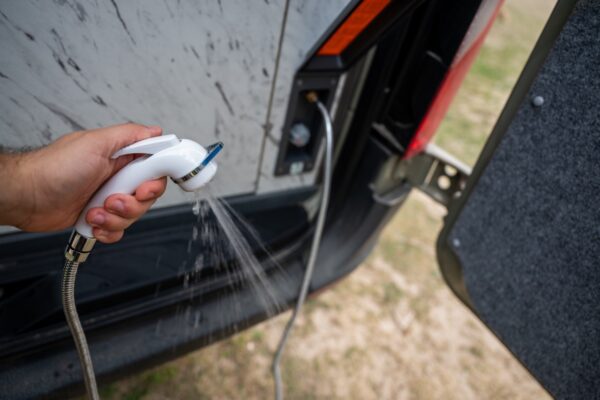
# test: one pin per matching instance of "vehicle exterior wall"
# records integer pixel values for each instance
(201, 70)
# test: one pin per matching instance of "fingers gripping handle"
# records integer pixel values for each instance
(188, 163)
(131, 176)
(125, 181)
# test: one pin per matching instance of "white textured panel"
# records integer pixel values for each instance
(307, 21)
(200, 69)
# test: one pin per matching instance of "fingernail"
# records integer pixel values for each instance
(151, 195)
(117, 206)
(98, 219)
(155, 128)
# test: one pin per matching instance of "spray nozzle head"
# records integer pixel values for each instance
(203, 172)
(190, 165)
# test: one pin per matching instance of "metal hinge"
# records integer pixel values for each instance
(434, 171)
(438, 174)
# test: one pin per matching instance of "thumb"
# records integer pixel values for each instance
(123, 135)
(120, 136)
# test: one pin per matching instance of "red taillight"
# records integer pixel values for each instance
(456, 73)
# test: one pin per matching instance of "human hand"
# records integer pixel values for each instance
(46, 189)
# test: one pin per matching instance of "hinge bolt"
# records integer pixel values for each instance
(537, 101)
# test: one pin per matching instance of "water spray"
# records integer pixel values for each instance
(187, 163)
(311, 97)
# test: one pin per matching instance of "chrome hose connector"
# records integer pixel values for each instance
(79, 247)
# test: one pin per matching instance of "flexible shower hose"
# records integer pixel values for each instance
(70, 273)
(314, 249)
(68, 298)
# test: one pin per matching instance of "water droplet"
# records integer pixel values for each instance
(196, 207)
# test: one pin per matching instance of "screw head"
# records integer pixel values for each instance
(537, 101)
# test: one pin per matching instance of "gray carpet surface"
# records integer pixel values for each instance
(530, 232)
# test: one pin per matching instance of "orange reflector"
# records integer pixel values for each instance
(352, 27)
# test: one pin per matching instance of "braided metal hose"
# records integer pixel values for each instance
(68, 299)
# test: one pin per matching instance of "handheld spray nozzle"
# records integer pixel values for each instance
(187, 163)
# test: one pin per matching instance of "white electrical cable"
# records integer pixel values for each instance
(310, 266)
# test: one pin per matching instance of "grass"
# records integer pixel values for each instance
(486, 88)
(392, 329)
(140, 387)
(391, 294)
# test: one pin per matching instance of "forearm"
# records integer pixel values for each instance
(15, 201)
(46, 189)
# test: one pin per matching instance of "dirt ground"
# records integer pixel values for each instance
(392, 329)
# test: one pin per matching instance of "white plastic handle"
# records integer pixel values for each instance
(170, 156)
(125, 181)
